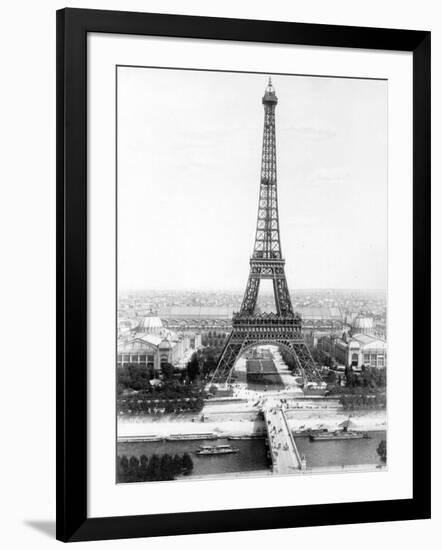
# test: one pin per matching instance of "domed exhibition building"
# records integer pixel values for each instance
(358, 346)
(148, 343)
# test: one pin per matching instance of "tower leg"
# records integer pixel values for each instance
(310, 371)
(229, 355)
(250, 295)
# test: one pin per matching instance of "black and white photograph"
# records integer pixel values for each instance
(251, 335)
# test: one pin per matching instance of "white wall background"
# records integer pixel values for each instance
(27, 277)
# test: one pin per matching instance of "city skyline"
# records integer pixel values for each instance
(172, 145)
(240, 290)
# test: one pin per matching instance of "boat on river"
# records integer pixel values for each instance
(309, 432)
(209, 450)
(140, 438)
(196, 436)
(339, 435)
(246, 436)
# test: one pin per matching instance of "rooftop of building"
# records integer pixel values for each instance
(362, 323)
(150, 323)
(151, 339)
(365, 339)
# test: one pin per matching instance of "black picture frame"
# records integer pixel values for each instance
(73, 25)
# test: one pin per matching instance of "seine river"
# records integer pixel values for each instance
(252, 453)
(338, 453)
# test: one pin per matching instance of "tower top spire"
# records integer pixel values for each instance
(269, 94)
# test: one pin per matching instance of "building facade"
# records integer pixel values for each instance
(357, 347)
(151, 345)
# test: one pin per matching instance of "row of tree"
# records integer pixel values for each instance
(173, 389)
(156, 468)
(322, 358)
(178, 391)
(369, 380)
(364, 390)
(361, 401)
(138, 377)
(370, 377)
(135, 405)
(198, 370)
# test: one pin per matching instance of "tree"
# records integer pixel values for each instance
(154, 468)
(133, 466)
(142, 469)
(166, 467)
(119, 469)
(350, 377)
(177, 465)
(124, 463)
(132, 376)
(382, 450)
(187, 463)
(193, 367)
(167, 370)
(198, 404)
(209, 357)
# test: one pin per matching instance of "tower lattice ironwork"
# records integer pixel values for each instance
(249, 327)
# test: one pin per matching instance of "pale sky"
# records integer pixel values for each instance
(189, 156)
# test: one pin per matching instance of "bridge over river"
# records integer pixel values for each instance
(285, 455)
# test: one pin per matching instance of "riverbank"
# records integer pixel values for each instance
(324, 470)
(165, 427)
(138, 427)
(365, 420)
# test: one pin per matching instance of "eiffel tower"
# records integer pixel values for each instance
(249, 327)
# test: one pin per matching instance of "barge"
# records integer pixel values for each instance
(309, 432)
(140, 438)
(247, 436)
(191, 437)
(209, 450)
(339, 435)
